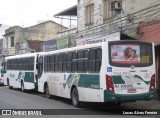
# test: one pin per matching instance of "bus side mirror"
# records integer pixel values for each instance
(36, 66)
(3, 71)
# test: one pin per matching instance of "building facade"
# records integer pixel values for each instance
(99, 18)
(67, 38)
(149, 32)
(2, 31)
(40, 32)
(12, 36)
(137, 11)
(102, 20)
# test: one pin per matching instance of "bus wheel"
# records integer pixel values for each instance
(75, 97)
(47, 92)
(10, 87)
(22, 87)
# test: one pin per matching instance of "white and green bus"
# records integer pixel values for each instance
(115, 71)
(21, 71)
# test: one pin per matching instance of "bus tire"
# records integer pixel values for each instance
(22, 87)
(75, 98)
(47, 92)
(10, 87)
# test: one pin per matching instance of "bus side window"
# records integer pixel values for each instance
(98, 59)
(18, 61)
(85, 61)
(25, 64)
(52, 63)
(91, 61)
(69, 61)
(32, 63)
(3, 70)
(74, 63)
(10, 64)
(94, 62)
(29, 63)
(13, 64)
(60, 63)
(64, 63)
(48, 63)
(40, 65)
(20, 64)
(4, 64)
(7, 62)
(45, 64)
(56, 63)
(80, 61)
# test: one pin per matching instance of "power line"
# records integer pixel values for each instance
(125, 19)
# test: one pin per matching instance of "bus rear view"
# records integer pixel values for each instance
(130, 73)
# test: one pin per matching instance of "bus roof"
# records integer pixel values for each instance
(82, 47)
(73, 48)
(21, 56)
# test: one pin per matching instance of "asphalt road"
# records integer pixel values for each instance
(15, 99)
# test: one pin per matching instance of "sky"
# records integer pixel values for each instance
(26, 13)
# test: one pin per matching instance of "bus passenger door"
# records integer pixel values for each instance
(55, 85)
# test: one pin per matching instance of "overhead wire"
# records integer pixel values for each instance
(126, 16)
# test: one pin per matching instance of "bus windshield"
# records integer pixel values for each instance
(126, 54)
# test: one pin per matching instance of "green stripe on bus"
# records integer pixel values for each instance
(29, 77)
(118, 80)
(89, 81)
(146, 82)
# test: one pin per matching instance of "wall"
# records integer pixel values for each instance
(127, 21)
(100, 27)
(41, 32)
(137, 11)
(17, 33)
(149, 31)
(81, 14)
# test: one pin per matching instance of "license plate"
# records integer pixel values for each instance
(131, 90)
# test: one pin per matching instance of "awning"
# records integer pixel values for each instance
(156, 43)
(72, 11)
(126, 37)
